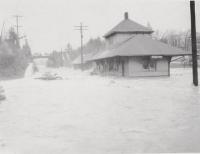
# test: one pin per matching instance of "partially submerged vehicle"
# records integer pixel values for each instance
(49, 76)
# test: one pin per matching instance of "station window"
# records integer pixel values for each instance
(149, 64)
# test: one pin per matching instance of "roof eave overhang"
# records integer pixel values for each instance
(127, 32)
(139, 55)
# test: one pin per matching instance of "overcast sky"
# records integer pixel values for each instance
(49, 24)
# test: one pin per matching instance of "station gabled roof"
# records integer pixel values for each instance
(128, 26)
(141, 45)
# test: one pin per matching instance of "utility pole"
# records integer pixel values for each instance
(17, 27)
(2, 31)
(81, 28)
(62, 58)
(17, 23)
(194, 44)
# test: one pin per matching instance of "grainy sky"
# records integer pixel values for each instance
(49, 24)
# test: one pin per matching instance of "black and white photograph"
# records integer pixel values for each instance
(99, 76)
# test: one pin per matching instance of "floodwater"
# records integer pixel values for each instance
(100, 115)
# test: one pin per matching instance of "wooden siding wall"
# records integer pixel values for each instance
(133, 67)
(136, 67)
(120, 37)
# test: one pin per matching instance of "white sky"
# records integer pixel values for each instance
(49, 24)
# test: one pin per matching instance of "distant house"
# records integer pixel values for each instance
(188, 42)
(87, 63)
(131, 51)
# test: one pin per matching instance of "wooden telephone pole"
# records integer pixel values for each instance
(194, 44)
(17, 23)
(17, 29)
(81, 28)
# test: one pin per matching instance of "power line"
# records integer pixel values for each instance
(81, 28)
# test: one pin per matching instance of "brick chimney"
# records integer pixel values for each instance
(126, 15)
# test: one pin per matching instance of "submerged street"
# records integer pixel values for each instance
(95, 115)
